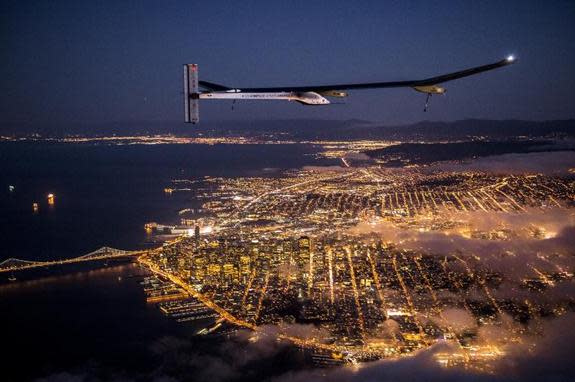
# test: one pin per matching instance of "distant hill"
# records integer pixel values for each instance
(425, 153)
(426, 130)
(306, 129)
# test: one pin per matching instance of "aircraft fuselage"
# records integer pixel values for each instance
(307, 98)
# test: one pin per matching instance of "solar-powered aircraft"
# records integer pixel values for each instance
(311, 95)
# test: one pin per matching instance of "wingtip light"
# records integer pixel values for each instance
(510, 58)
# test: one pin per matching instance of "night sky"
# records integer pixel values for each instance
(101, 61)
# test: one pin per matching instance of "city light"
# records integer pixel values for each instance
(274, 241)
(365, 255)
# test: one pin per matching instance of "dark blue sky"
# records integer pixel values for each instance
(99, 61)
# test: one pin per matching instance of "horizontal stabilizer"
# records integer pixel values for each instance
(213, 87)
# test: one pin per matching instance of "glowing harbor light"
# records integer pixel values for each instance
(50, 198)
(35, 207)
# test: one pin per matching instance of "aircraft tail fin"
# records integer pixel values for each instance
(191, 95)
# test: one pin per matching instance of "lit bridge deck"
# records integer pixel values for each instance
(104, 253)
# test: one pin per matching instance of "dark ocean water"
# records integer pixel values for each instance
(80, 320)
(90, 320)
(104, 194)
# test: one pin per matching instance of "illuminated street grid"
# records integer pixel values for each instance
(327, 202)
(282, 251)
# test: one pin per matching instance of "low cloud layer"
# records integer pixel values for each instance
(558, 225)
(551, 163)
(550, 359)
(458, 319)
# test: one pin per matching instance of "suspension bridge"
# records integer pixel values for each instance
(104, 253)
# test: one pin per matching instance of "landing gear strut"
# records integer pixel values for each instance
(426, 102)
